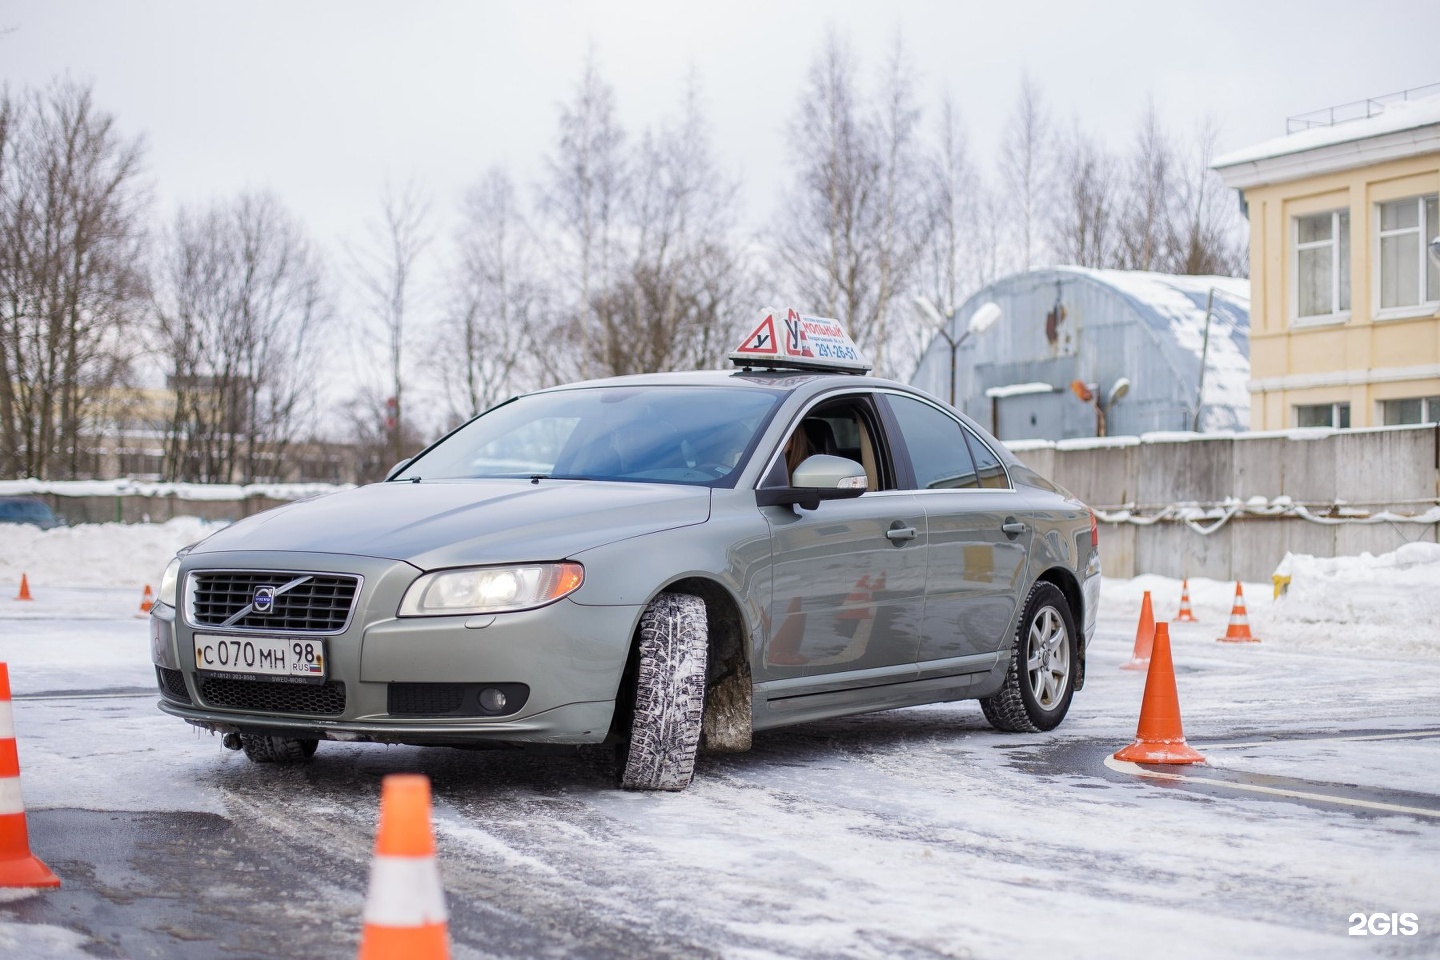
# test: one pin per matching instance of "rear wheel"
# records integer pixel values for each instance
(261, 748)
(1040, 680)
(669, 695)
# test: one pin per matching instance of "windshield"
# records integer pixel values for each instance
(695, 435)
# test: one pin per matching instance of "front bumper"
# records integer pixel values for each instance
(569, 657)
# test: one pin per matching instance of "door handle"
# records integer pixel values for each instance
(898, 533)
(1012, 527)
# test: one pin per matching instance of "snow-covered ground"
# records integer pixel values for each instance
(915, 833)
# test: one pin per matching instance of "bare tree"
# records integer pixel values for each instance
(496, 302)
(70, 282)
(672, 306)
(581, 198)
(384, 266)
(1204, 235)
(237, 311)
(1145, 219)
(825, 237)
(1026, 169)
(954, 255)
(1085, 208)
(905, 216)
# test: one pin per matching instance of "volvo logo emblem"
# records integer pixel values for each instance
(264, 599)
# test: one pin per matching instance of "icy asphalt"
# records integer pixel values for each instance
(912, 833)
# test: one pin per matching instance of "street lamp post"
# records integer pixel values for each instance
(981, 320)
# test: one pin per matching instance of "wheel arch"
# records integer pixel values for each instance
(726, 726)
(1066, 582)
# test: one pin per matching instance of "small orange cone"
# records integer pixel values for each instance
(1144, 637)
(1186, 615)
(405, 916)
(147, 601)
(1159, 737)
(1239, 629)
(18, 866)
(24, 588)
(857, 601)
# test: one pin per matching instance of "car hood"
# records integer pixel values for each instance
(444, 523)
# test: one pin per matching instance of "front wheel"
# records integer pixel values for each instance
(1040, 680)
(669, 694)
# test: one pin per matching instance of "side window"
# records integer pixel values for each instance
(987, 465)
(938, 451)
(842, 427)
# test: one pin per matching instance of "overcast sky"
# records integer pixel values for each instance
(323, 101)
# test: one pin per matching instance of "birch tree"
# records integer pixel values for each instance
(71, 283)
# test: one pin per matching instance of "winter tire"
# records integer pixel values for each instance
(266, 749)
(669, 694)
(1043, 662)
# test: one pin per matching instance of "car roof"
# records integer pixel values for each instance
(779, 380)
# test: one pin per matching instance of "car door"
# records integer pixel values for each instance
(848, 578)
(979, 536)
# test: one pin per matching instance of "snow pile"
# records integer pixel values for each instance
(1363, 604)
(125, 487)
(95, 554)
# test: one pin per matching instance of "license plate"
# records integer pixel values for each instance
(252, 658)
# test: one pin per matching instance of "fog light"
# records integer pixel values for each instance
(492, 699)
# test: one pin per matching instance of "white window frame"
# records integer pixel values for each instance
(1423, 232)
(1334, 415)
(1429, 410)
(1337, 315)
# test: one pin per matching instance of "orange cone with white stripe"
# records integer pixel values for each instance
(18, 866)
(1239, 629)
(405, 916)
(1186, 615)
(24, 593)
(147, 601)
(1159, 736)
(1144, 637)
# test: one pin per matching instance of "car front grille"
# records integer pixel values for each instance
(269, 696)
(303, 602)
(172, 684)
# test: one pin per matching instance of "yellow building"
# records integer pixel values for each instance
(1344, 295)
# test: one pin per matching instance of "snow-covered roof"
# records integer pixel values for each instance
(1019, 390)
(1402, 128)
(1175, 307)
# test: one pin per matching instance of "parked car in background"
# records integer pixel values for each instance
(31, 510)
(658, 562)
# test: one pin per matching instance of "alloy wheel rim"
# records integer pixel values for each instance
(1048, 661)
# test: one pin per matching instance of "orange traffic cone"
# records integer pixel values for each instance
(1144, 637)
(405, 915)
(1159, 737)
(24, 593)
(1186, 615)
(18, 866)
(1239, 629)
(147, 601)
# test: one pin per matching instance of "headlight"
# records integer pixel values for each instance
(169, 581)
(490, 589)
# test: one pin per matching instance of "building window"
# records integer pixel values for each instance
(1415, 410)
(1408, 278)
(1323, 415)
(1322, 264)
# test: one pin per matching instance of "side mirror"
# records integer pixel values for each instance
(820, 477)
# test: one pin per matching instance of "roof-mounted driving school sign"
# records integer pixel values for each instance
(787, 339)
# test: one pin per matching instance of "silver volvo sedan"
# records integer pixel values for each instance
(660, 562)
